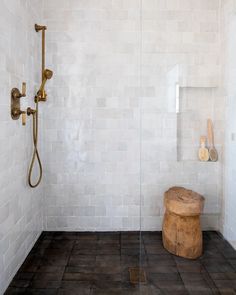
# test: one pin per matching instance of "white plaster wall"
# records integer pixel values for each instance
(97, 115)
(228, 223)
(20, 206)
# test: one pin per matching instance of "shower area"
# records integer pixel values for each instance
(134, 83)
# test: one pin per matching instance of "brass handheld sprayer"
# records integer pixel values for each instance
(40, 96)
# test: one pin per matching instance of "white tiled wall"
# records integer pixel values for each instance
(228, 223)
(20, 206)
(97, 114)
(100, 126)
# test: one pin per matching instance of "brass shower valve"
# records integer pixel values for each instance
(15, 103)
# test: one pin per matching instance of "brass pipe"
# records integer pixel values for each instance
(39, 28)
(43, 53)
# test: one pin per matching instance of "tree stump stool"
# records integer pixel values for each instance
(181, 231)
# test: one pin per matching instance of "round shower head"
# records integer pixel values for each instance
(48, 74)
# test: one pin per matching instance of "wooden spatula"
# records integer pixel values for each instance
(203, 152)
(213, 155)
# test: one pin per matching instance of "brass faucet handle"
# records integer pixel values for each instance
(16, 94)
(23, 91)
(23, 117)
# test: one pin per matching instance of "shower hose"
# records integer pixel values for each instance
(35, 152)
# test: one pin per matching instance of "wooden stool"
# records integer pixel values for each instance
(181, 231)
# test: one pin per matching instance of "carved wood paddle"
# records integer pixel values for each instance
(213, 155)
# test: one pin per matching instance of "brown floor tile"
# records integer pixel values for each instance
(81, 269)
(45, 284)
(223, 276)
(77, 291)
(82, 260)
(226, 283)
(50, 291)
(20, 283)
(49, 276)
(74, 285)
(50, 268)
(55, 260)
(78, 276)
(15, 291)
(97, 263)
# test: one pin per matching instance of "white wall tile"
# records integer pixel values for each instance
(228, 30)
(92, 142)
(20, 206)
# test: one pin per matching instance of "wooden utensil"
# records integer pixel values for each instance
(203, 152)
(213, 155)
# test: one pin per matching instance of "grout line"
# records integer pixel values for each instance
(67, 262)
(215, 290)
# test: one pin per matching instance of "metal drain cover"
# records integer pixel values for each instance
(137, 275)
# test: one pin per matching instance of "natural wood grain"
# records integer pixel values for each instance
(181, 232)
(212, 150)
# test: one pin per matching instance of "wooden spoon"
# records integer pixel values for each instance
(203, 152)
(213, 155)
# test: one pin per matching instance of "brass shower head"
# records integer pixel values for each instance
(47, 74)
(41, 94)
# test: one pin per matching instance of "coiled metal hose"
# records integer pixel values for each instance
(35, 152)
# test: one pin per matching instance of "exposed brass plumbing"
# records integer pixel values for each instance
(43, 29)
(40, 96)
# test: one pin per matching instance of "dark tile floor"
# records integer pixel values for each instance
(97, 263)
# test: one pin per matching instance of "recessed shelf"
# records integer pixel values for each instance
(196, 105)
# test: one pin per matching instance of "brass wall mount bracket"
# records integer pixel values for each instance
(30, 111)
(39, 27)
(15, 103)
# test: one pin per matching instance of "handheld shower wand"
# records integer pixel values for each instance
(40, 96)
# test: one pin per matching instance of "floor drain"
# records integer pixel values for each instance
(137, 275)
